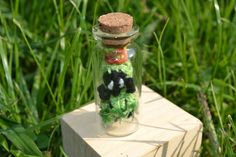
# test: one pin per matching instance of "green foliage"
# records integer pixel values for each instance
(125, 67)
(118, 107)
(22, 141)
(46, 50)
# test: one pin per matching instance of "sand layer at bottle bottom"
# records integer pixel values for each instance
(122, 127)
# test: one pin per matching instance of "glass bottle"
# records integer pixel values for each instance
(117, 69)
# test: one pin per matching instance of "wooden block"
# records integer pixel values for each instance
(165, 130)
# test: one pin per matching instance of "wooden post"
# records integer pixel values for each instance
(165, 130)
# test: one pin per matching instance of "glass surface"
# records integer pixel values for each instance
(100, 34)
(117, 82)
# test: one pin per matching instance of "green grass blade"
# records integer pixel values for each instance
(36, 60)
(23, 142)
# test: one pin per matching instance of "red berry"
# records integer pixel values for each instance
(118, 56)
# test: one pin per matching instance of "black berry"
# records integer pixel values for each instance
(104, 93)
(130, 87)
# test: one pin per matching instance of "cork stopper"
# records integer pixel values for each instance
(115, 23)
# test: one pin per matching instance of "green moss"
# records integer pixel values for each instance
(123, 105)
(118, 107)
(125, 67)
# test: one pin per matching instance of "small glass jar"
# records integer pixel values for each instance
(117, 69)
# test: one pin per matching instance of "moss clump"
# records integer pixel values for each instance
(121, 105)
(116, 108)
(125, 67)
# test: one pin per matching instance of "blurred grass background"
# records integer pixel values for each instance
(45, 66)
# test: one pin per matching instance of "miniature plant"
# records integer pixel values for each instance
(117, 93)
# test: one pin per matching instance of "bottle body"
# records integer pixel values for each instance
(117, 85)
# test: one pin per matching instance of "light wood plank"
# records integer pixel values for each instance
(164, 130)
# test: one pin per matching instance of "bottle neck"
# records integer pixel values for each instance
(116, 43)
(115, 40)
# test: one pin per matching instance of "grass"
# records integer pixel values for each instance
(45, 66)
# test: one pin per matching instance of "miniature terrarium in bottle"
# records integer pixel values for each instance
(117, 65)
